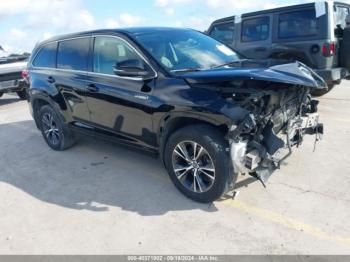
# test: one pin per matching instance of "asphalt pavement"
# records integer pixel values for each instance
(102, 198)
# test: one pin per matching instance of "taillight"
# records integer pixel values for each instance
(325, 50)
(328, 49)
(25, 74)
(332, 49)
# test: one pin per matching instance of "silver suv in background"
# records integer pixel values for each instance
(314, 34)
(12, 71)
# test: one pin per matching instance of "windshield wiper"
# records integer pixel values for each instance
(228, 64)
(192, 69)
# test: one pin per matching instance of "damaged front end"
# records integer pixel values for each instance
(278, 119)
(271, 109)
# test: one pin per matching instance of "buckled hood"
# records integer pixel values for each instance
(262, 70)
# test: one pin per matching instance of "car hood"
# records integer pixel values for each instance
(294, 73)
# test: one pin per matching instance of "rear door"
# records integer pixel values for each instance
(255, 36)
(71, 74)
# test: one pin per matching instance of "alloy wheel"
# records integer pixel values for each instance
(193, 166)
(50, 129)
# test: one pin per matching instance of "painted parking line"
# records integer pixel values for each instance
(341, 120)
(334, 99)
(276, 218)
(285, 221)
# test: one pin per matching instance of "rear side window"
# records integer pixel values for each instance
(256, 29)
(73, 54)
(223, 32)
(298, 24)
(46, 56)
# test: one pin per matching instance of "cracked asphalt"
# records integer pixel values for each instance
(101, 198)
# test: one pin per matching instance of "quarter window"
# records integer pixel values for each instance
(256, 29)
(298, 24)
(223, 32)
(108, 51)
(46, 57)
(73, 54)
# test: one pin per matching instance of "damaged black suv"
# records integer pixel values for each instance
(209, 113)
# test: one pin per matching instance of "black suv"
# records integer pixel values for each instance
(208, 113)
(310, 33)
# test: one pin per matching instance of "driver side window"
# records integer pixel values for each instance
(108, 51)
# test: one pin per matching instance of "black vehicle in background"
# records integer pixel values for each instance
(209, 114)
(310, 33)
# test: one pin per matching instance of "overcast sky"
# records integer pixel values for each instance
(25, 22)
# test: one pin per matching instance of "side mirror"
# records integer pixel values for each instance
(131, 68)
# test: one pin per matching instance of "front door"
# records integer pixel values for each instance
(121, 106)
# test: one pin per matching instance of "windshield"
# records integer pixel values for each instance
(181, 50)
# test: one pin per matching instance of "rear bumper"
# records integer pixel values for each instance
(333, 75)
(12, 85)
(10, 76)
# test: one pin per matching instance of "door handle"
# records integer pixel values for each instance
(51, 80)
(92, 88)
(260, 49)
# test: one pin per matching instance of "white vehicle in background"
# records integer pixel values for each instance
(11, 79)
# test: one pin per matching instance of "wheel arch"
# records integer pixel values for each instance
(39, 100)
(171, 124)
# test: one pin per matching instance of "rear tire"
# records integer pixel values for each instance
(22, 94)
(205, 172)
(322, 92)
(55, 132)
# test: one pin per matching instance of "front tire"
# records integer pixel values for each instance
(198, 164)
(54, 130)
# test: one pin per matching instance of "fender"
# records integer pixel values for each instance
(192, 115)
(57, 102)
(179, 119)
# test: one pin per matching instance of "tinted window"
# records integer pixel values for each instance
(256, 29)
(298, 24)
(73, 54)
(108, 51)
(223, 32)
(46, 57)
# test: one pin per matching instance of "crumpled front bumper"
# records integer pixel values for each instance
(260, 162)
